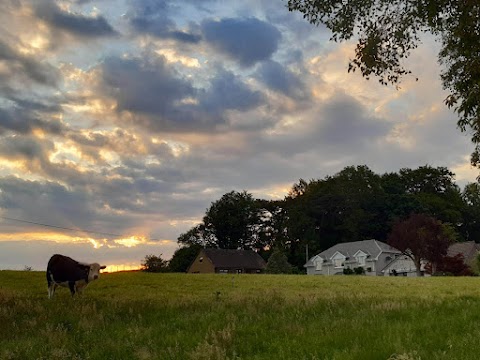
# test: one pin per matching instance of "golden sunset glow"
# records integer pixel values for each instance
(53, 236)
(130, 118)
(172, 56)
(465, 171)
(131, 241)
(121, 267)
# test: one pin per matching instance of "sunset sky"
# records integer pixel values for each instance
(127, 118)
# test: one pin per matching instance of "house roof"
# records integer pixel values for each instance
(468, 249)
(229, 258)
(370, 247)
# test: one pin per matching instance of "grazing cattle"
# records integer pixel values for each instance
(64, 271)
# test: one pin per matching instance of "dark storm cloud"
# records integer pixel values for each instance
(76, 24)
(278, 78)
(246, 40)
(22, 66)
(152, 17)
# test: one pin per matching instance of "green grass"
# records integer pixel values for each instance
(181, 316)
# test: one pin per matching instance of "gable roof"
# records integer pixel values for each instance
(468, 249)
(369, 247)
(229, 259)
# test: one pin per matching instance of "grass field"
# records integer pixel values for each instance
(181, 316)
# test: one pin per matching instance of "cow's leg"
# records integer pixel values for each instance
(71, 286)
(51, 289)
(49, 285)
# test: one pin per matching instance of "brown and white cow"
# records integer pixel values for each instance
(64, 271)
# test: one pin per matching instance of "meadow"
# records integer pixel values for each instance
(181, 316)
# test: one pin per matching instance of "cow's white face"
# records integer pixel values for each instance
(94, 271)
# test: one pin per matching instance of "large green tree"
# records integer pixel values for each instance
(278, 263)
(154, 263)
(387, 32)
(471, 216)
(232, 222)
(182, 258)
(436, 191)
(354, 204)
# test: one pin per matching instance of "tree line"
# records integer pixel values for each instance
(354, 204)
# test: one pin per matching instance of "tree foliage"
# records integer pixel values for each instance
(182, 258)
(421, 237)
(153, 263)
(354, 204)
(471, 212)
(278, 263)
(233, 222)
(451, 266)
(388, 31)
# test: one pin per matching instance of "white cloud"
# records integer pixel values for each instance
(138, 133)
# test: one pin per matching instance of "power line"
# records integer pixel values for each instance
(61, 227)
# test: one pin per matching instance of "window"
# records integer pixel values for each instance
(318, 264)
(338, 259)
(338, 262)
(361, 260)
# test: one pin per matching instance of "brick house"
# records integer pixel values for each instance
(227, 261)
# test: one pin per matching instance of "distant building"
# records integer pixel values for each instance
(371, 255)
(469, 250)
(403, 265)
(227, 261)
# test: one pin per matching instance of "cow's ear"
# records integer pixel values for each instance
(103, 267)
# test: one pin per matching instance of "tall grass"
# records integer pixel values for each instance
(181, 316)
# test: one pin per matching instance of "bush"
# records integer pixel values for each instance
(278, 263)
(451, 266)
(359, 271)
(355, 271)
(153, 263)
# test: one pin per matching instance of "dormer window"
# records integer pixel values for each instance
(361, 257)
(318, 264)
(361, 260)
(338, 260)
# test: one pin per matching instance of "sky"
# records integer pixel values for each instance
(126, 119)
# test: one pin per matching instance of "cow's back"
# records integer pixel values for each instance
(61, 268)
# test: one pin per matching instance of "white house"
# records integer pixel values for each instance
(403, 266)
(371, 255)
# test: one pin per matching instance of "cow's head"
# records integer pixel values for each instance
(94, 271)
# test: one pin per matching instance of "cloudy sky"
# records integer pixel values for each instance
(127, 118)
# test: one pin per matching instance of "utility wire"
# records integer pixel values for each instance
(61, 227)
